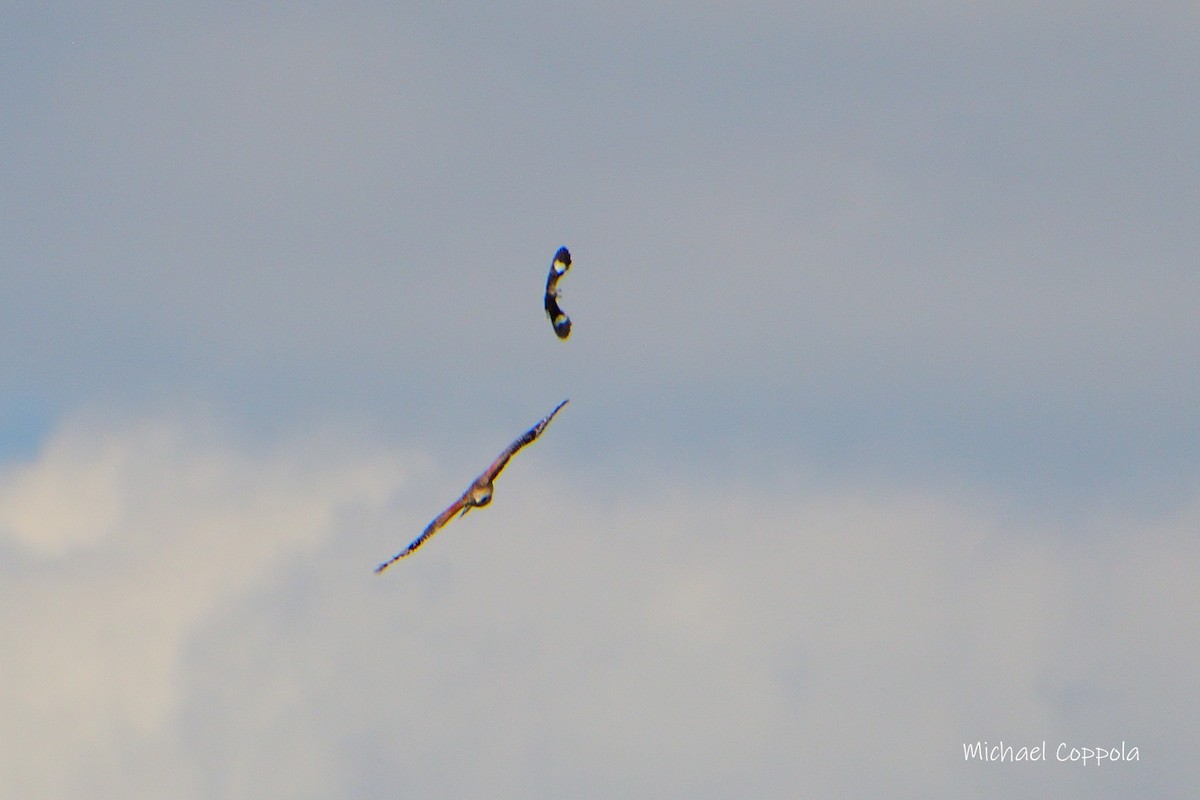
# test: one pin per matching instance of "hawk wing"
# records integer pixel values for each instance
(491, 472)
(558, 317)
(430, 530)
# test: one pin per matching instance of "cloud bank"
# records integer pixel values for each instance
(213, 629)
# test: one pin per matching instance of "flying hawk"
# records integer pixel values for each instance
(558, 268)
(479, 493)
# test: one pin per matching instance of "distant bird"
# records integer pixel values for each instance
(558, 268)
(479, 493)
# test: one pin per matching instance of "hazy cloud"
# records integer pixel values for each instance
(126, 541)
(683, 640)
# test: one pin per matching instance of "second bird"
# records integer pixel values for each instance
(558, 317)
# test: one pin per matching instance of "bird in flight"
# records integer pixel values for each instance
(478, 494)
(558, 318)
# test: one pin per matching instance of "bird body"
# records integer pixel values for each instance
(558, 317)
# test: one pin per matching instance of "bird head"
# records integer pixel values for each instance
(481, 495)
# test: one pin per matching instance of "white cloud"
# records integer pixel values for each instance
(67, 498)
(129, 539)
(226, 638)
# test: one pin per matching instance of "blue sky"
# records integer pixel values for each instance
(882, 434)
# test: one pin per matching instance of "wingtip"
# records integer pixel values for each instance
(392, 560)
(562, 326)
(561, 262)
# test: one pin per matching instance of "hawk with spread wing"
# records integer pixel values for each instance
(558, 318)
(478, 494)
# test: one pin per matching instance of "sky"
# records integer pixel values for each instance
(882, 437)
